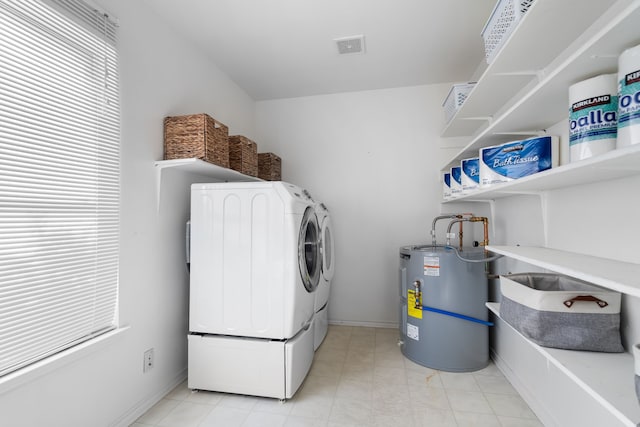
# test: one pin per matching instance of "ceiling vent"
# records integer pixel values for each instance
(353, 44)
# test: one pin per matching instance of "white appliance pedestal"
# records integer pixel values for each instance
(251, 366)
(320, 326)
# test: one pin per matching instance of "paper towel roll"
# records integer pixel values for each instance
(629, 97)
(593, 111)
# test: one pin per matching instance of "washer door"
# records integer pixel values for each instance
(309, 254)
(327, 249)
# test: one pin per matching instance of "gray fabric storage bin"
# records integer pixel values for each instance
(562, 312)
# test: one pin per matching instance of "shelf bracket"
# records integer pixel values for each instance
(541, 132)
(543, 197)
(518, 73)
(537, 74)
(158, 185)
(478, 118)
(544, 212)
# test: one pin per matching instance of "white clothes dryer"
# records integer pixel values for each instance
(255, 259)
(328, 256)
(321, 305)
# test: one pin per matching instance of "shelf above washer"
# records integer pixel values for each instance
(201, 167)
(198, 167)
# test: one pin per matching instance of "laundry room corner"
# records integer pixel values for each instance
(371, 157)
(161, 74)
(319, 213)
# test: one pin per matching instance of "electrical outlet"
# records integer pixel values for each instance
(148, 360)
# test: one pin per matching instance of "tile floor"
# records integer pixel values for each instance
(358, 378)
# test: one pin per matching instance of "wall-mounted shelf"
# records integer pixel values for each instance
(534, 95)
(620, 163)
(607, 378)
(199, 167)
(539, 38)
(619, 276)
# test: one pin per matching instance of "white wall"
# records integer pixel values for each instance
(373, 158)
(593, 219)
(599, 220)
(160, 75)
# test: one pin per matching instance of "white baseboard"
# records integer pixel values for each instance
(147, 403)
(390, 325)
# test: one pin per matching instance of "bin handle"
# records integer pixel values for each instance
(588, 298)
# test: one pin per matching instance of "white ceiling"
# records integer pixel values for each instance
(285, 48)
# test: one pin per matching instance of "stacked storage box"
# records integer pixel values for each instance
(269, 167)
(243, 155)
(202, 137)
(196, 136)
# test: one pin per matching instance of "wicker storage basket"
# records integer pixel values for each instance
(243, 155)
(196, 135)
(269, 167)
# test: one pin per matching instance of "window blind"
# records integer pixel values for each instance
(59, 178)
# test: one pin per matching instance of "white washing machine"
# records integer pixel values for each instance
(321, 305)
(255, 259)
(255, 266)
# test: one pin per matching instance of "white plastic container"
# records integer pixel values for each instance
(505, 17)
(455, 98)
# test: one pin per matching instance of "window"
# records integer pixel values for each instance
(59, 178)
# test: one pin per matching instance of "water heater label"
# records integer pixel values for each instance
(411, 304)
(431, 266)
(413, 332)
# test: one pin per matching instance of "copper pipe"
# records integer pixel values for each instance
(485, 222)
(482, 219)
(486, 232)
